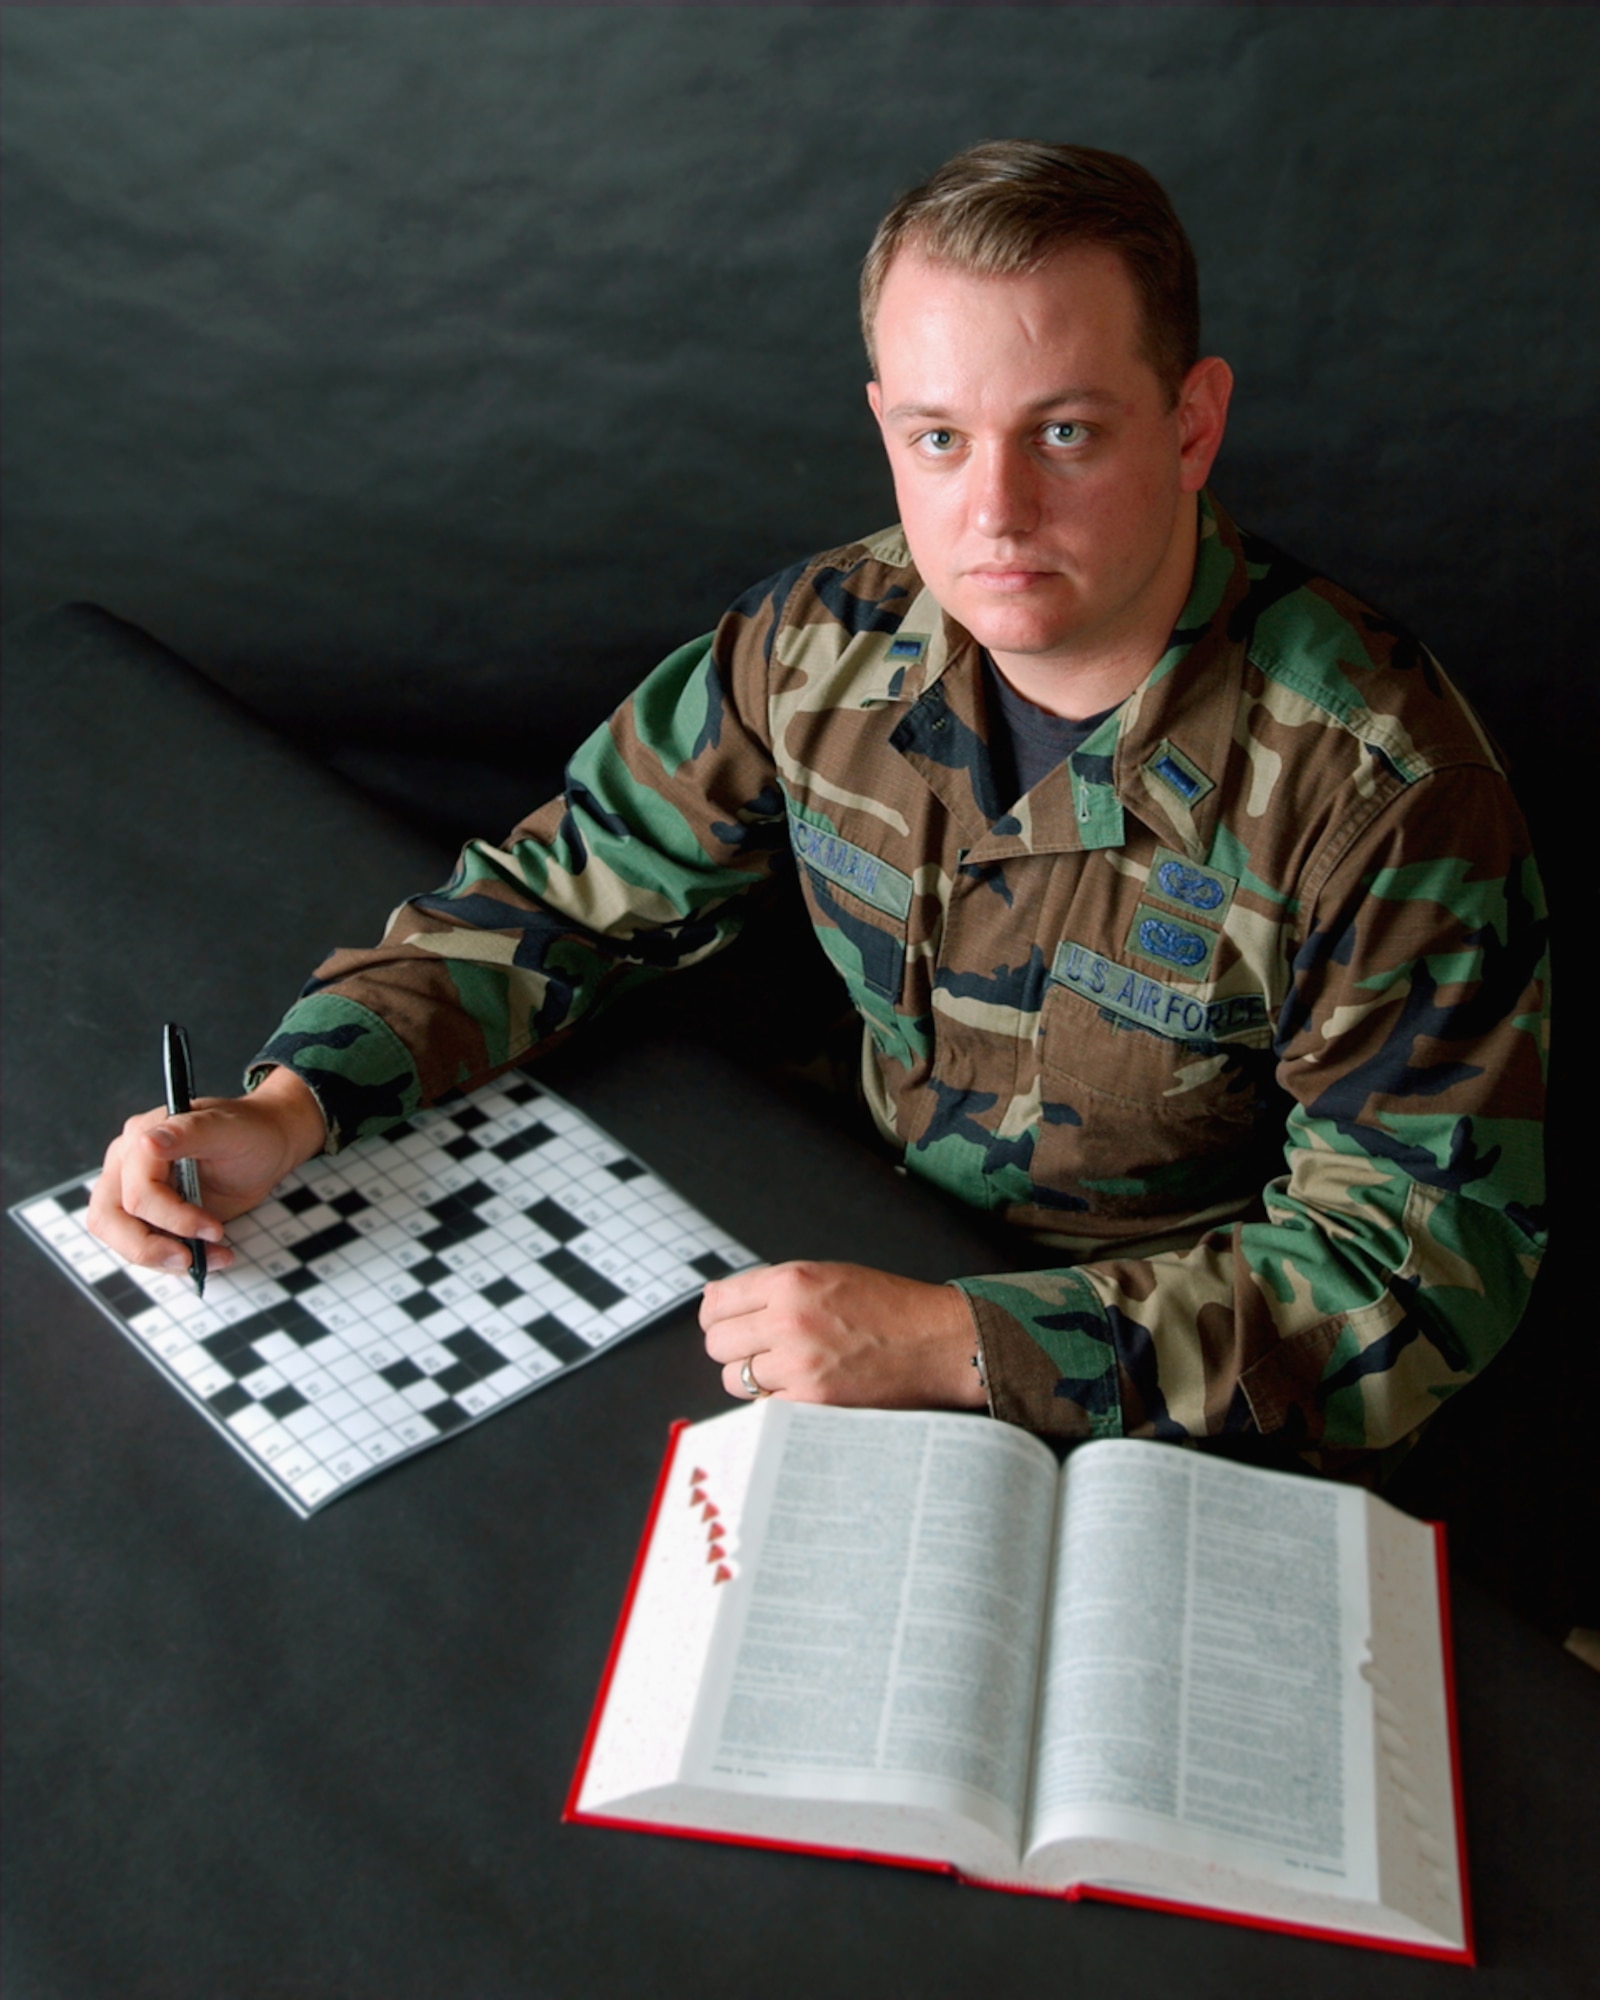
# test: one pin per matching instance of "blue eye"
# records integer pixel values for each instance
(1057, 433)
(938, 442)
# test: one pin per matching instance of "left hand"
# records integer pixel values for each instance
(840, 1333)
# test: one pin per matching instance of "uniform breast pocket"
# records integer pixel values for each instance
(867, 946)
(1140, 1119)
(859, 904)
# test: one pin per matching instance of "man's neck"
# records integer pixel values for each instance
(1071, 689)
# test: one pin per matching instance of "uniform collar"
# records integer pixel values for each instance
(1159, 757)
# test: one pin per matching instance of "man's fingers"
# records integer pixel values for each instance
(154, 1250)
(155, 1247)
(188, 1135)
(730, 1309)
(118, 1231)
(841, 1333)
(134, 1209)
(733, 1339)
(149, 1194)
(735, 1381)
(739, 1329)
(162, 1207)
(731, 1298)
(242, 1146)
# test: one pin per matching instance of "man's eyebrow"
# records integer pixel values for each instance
(1057, 399)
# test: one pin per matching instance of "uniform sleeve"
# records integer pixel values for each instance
(1394, 1255)
(670, 817)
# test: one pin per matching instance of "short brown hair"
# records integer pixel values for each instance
(1000, 209)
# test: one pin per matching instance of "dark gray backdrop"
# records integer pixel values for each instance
(425, 373)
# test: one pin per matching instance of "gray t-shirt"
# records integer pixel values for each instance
(1029, 742)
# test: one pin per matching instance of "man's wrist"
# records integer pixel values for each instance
(293, 1103)
(970, 1389)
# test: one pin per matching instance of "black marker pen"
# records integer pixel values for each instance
(178, 1072)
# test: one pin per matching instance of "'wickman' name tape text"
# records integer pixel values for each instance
(852, 867)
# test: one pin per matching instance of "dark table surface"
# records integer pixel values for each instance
(253, 1758)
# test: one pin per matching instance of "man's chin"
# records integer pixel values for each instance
(1025, 631)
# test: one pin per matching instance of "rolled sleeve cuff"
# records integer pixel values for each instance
(1048, 1358)
(351, 1061)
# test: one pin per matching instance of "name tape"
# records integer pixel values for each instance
(1149, 1003)
(841, 861)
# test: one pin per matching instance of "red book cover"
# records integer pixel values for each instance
(1075, 1892)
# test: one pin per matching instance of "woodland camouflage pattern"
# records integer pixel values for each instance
(1243, 1011)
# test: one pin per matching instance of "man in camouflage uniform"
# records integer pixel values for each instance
(1191, 922)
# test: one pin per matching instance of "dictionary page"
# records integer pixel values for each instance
(1202, 1692)
(877, 1655)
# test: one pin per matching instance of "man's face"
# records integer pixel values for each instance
(1043, 480)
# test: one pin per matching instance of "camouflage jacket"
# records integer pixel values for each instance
(1241, 1010)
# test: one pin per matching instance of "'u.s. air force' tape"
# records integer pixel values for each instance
(851, 867)
(1148, 1003)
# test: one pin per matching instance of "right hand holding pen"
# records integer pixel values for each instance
(243, 1147)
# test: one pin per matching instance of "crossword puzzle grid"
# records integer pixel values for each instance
(385, 1297)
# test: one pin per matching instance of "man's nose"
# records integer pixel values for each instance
(1005, 499)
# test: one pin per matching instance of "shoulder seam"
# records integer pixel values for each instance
(1369, 810)
(1419, 761)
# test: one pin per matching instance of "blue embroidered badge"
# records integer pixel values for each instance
(907, 647)
(1172, 943)
(1157, 934)
(1187, 884)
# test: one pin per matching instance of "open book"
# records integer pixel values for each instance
(1144, 1675)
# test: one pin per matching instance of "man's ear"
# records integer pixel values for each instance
(875, 402)
(1202, 418)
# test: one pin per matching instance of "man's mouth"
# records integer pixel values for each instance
(1008, 577)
